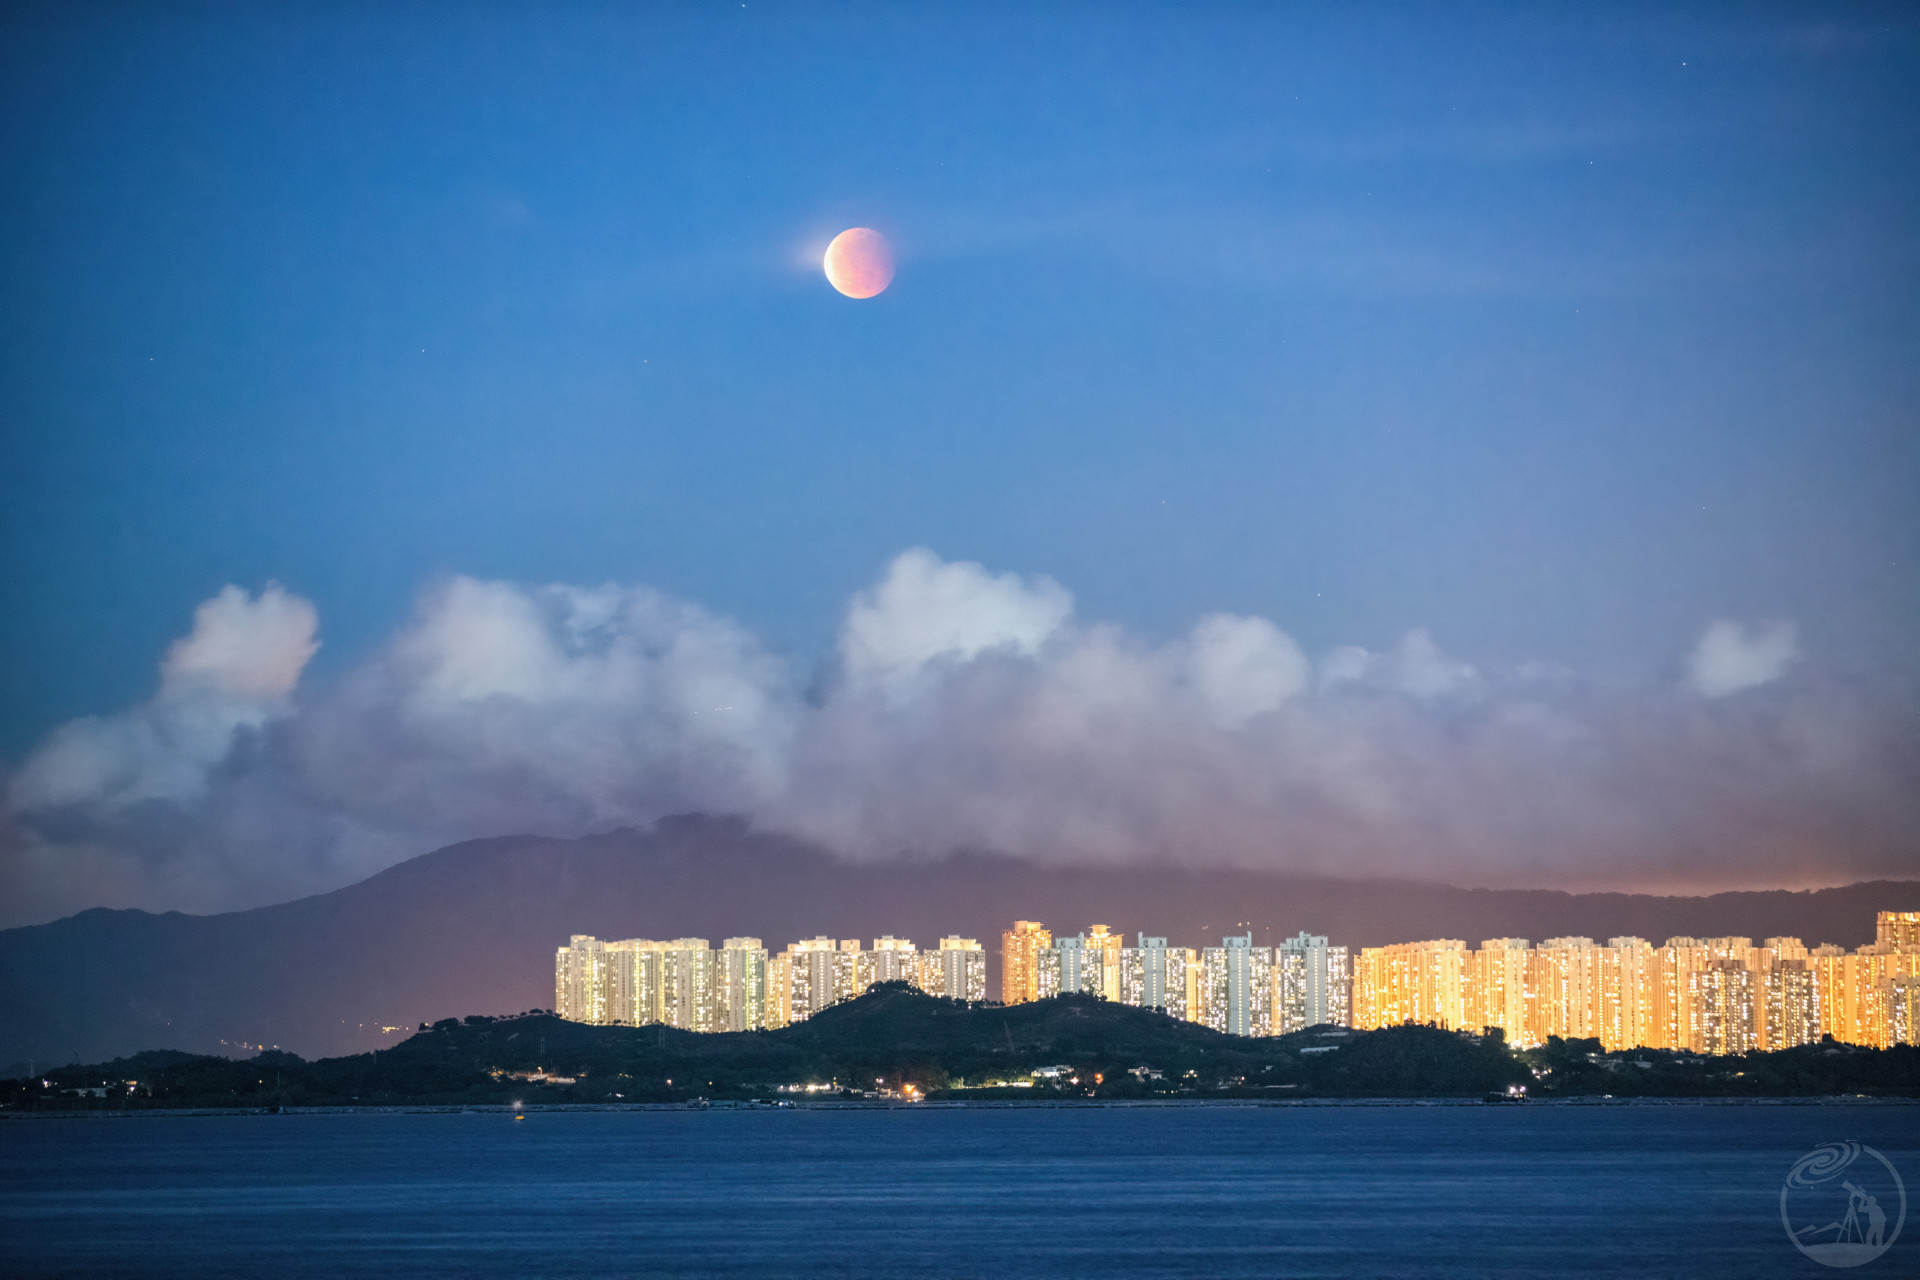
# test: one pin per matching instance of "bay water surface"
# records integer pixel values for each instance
(1175, 1191)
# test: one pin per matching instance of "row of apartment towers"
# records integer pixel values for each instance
(688, 983)
(1235, 987)
(1705, 995)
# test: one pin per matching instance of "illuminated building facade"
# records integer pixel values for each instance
(740, 986)
(1411, 982)
(1898, 931)
(1107, 946)
(1020, 949)
(895, 960)
(1720, 996)
(1497, 988)
(633, 981)
(804, 984)
(1070, 966)
(1236, 987)
(1704, 995)
(1156, 976)
(1792, 1004)
(1637, 966)
(1561, 973)
(579, 980)
(852, 971)
(1903, 1009)
(958, 970)
(1311, 984)
(686, 984)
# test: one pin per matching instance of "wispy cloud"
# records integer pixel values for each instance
(1731, 657)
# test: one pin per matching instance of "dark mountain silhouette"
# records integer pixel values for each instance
(892, 1035)
(472, 929)
(894, 1041)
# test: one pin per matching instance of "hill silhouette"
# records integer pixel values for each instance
(473, 927)
(888, 1038)
(894, 1037)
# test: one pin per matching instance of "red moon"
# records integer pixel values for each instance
(859, 262)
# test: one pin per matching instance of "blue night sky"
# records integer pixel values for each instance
(1560, 334)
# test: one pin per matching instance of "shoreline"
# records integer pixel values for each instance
(1062, 1104)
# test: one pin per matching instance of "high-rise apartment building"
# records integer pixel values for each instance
(808, 974)
(1250, 996)
(852, 970)
(1721, 999)
(1791, 948)
(1566, 976)
(1155, 976)
(1311, 984)
(740, 986)
(1070, 967)
(1497, 990)
(633, 981)
(1903, 1009)
(1236, 987)
(1020, 949)
(1638, 964)
(1411, 982)
(779, 1011)
(1792, 1004)
(1107, 946)
(1339, 987)
(1674, 1018)
(895, 960)
(579, 980)
(958, 970)
(1833, 990)
(1898, 931)
(686, 984)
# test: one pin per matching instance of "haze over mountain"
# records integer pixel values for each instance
(963, 709)
(472, 929)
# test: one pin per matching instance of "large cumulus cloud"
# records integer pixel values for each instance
(235, 671)
(963, 708)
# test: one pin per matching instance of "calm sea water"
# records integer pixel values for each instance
(1108, 1192)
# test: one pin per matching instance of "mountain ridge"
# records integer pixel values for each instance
(472, 927)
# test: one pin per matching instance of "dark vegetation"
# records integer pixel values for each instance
(893, 1037)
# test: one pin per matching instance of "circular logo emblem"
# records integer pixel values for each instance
(1843, 1204)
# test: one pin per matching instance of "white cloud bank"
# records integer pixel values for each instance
(965, 709)
(235, 671)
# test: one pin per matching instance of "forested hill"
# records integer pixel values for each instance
(894, 1037)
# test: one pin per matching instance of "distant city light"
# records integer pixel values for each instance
(1703, 995)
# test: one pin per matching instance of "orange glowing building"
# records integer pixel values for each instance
(1020, 949)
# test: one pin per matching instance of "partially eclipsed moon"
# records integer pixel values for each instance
(859, 262)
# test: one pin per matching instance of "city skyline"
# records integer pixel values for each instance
(689, 984)
(1714, 995)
